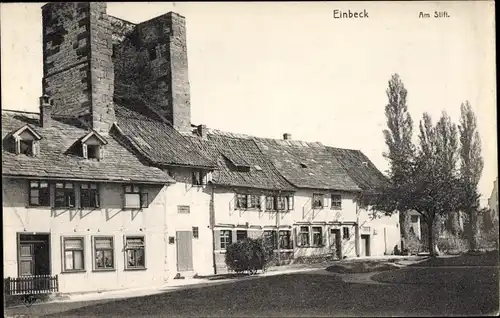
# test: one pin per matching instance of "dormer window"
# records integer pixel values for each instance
(26, 147)
(26, 141)
(93, 146)
(199, 178)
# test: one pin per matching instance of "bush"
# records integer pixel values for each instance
(248, 255)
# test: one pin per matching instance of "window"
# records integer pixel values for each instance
(65, 195)
(135, 198)
(285, 241)
(225, 239)
(414, 219)
(345, 233)
(241, 201)
(93, 152)
(198, 178)
(104, 253)
(134, 250)
(39, 193)
(317, 236)
(270, 237)
(254, 202)
(183, 209)
(281, 203)
(196, 233)
(336, 201)
(26, 147)
(89, 195)
(269, 203)
(304, 236)
(317, 202)
(241, 235)
(73, 254)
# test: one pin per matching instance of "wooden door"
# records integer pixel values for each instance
(184, 251)
(26, 259)
(335, 242)
(365, 245)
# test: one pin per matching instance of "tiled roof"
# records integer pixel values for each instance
(158, 141)
(229, 150)
(55, 161)
(360, 168)
(307, 165)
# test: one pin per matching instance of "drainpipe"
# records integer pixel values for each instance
(212, 225)
(278, 227)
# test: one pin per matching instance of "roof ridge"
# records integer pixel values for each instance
(19, 111)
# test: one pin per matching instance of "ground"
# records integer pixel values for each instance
(443, 287)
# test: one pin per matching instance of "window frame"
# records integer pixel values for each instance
(289, 237)
(336, 201)
(97, 196)
(143, 196)
(253, 205)
(321, 197)
(225, 240)
(64, 250)
(94, 253)
(346, 235)
(126, 249)
(195, 174)
(240, 232)
(38, 188)
(313, 234)
(66, 196)
(30, 147)
(302, 234)
(243, 204)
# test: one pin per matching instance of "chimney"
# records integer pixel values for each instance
(202, 131)
(77, 61)
(45, 111)
(287, 136)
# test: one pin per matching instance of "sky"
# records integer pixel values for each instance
(266, 69)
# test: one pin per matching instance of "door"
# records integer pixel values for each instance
(184, 251)
(365, 245)
(336, 243)
(26, 259)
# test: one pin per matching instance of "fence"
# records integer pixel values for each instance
(26, 285)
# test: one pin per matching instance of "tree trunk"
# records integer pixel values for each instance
(430, 236)
(472, 230)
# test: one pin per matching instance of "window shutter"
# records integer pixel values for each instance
(144, 200)
(232, 203)
(290, 203)
(84, 151)
(36, 148)
(18, 146)
(296, 236)
(262, 202)
(101, 152)
(323, 236)
(205, 178)
(249, 201)
(325, 201)
(217, 239)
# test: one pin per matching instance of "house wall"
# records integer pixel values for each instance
(111, 219)
(227, 217)
(384, 231)
(183, 193)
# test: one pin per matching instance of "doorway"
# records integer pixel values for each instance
(33, 254)
(336, 243)
(365, 245)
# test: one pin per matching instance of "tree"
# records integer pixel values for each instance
(431, 184)
(434, 182)
(398, 138)
(471, 167)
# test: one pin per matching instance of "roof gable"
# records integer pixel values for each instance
(26, 129)
(92, 137)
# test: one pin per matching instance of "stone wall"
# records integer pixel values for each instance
(78, 70)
